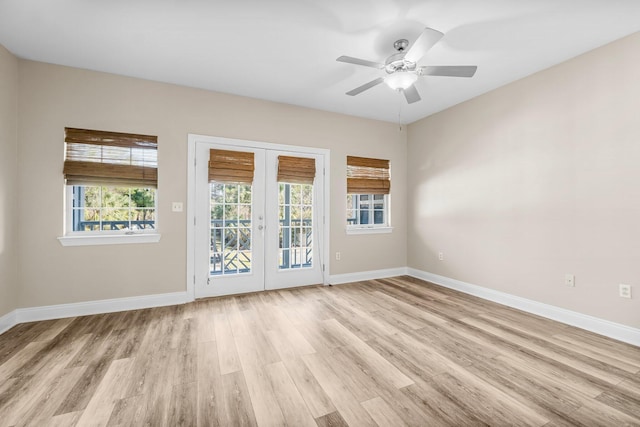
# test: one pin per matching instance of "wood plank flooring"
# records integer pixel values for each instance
(393, 352)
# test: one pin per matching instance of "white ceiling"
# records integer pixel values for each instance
(286, 50)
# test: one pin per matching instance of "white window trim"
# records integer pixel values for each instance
(368, 229)
(96, 238)
(109, 239)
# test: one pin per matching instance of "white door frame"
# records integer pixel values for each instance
(191, 195)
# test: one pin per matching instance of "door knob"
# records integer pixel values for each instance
(260, 227)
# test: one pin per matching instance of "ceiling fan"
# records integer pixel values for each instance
(402, 69)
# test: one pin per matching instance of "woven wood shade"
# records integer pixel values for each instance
(95, 157)
(368, 176)
(231, 167)
(296, 170)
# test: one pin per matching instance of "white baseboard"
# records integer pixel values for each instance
(97, 307)
(338, 279)
(594, 324)
(32, 314)
(600, 326)
(8, 321)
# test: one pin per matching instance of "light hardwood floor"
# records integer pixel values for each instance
(387, 352)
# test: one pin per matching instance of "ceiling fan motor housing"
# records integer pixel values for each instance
(396, 62)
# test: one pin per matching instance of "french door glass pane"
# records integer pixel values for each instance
(230, 236)
(295, 226)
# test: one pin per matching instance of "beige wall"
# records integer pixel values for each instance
(516, 187)
(8, 179)
(52, 97)
(534, 180)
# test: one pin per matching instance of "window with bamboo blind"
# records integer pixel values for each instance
(111, 180)
(295, 178)
(368, 176)
(231, 167)
(100, 157)
(368, 188)
(296, 170)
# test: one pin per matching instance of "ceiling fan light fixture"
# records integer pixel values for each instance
(401, 67)
(401, 80)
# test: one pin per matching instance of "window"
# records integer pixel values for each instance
(367, 209)
(295, 204)
(111, 181)
(230, 244)
(231, 192)
(368, 187)
(102, 208)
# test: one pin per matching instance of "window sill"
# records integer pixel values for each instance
(369, 230)
(119, 239)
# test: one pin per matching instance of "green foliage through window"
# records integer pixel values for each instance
(100, 208)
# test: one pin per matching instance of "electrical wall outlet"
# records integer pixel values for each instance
(176, 206)
(624, 290)
(337, 256)
(441, 256)
(570, 280)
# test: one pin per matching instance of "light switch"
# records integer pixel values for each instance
(176, 207)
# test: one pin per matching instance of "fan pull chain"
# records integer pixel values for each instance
(400, 111)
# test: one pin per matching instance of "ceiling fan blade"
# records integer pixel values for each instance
(412, 95)
(427, 39)
(365, 86)
(448, 70)
(358, 61)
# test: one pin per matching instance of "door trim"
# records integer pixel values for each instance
(191, 195)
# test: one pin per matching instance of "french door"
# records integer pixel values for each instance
(257, 232)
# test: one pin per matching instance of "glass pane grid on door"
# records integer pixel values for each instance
(230, 235)
(260, 235)
(295, 205)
